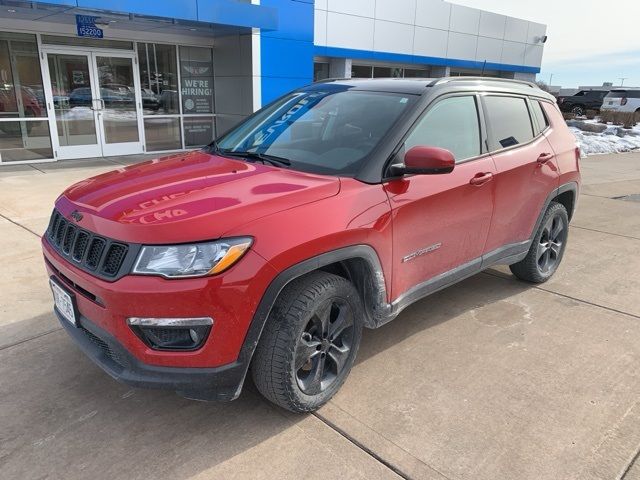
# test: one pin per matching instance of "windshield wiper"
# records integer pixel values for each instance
(263, 157)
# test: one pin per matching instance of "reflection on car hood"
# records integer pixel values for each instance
(188, 197)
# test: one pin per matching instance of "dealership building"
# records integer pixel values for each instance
(91, 78)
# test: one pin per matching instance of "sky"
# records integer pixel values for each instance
(588, 42)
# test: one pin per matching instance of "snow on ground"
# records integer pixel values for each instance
(608, 141)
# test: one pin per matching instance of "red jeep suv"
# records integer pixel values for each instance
(329, 210)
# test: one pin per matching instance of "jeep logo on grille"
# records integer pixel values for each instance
(76, 215)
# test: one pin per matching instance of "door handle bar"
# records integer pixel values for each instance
(481, 178)
(544, 158)
(102, 104)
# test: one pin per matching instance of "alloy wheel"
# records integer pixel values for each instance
(324, 346)
(554, 235)
(577, 111)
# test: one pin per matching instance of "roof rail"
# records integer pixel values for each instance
(438, 81)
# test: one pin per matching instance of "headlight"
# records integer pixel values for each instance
(191, 260)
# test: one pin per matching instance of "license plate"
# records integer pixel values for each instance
(63, 302)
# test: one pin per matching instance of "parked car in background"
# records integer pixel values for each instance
(331, 209)
(113, 96)
(582, 101)
(150, 100)
(622, 100)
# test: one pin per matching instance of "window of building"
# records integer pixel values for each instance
(24, 128)
(452, 124)
(196, 86)
(415, 73)
(320, 71)
(361, 71)
(509, 121)
(539, 115)
(387, 72)
(158, 78)
(160, 97)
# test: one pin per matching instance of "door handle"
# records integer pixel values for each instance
(544, 158)
(481, 178)
(101, 105)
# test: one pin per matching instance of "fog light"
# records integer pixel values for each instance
(172, 333)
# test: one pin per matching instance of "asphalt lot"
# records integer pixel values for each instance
(489, 379)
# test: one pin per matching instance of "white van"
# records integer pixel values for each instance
(622, 100)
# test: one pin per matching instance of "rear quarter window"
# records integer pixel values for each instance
(509, 121)
(538, 114)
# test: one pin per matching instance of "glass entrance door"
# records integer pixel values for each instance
(75, 105)
(96, 106)
(119, 115)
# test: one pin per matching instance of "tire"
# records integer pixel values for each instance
(577, 110)
(547, 248)
(304, 354)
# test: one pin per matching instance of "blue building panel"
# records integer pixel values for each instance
(223, 12)
(286, 54)
(417, 59)
(230, 12)
(179, 9)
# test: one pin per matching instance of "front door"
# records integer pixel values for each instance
(96, 103)
(441, 222)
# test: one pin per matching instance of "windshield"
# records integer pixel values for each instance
(326, 132)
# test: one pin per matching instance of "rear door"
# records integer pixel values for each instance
(526, 166)
(441, 222)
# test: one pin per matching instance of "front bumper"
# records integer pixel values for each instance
(214, 371)
(230, 299)
(219, 383)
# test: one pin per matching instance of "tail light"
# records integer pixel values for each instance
(577, 153)
(623, 101)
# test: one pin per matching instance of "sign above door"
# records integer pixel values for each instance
(86, 26)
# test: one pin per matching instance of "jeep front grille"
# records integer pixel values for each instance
(95, 254)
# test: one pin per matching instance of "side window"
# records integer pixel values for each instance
(452, 124)
(509, 121)
(539, 115)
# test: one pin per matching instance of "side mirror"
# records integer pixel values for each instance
(425, 161)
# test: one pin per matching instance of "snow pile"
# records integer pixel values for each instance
(611, 140)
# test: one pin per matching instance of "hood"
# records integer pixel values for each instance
(188, 197)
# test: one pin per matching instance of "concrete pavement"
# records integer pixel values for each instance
(489, 379)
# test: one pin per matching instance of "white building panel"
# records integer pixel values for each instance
(515, 30)
(430, 28)
(393, 37)
(403, 11)
(349, 31)
(363, 8)
(430, 42)
(535, 32)
(492, 25)
(462, 46)
(513, 53)
(433, 14)
(464, 20)
(533, 55)
(320, 27)
(489, 49)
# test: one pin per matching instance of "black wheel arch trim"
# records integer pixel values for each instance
(375, 290)
(567, 187)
